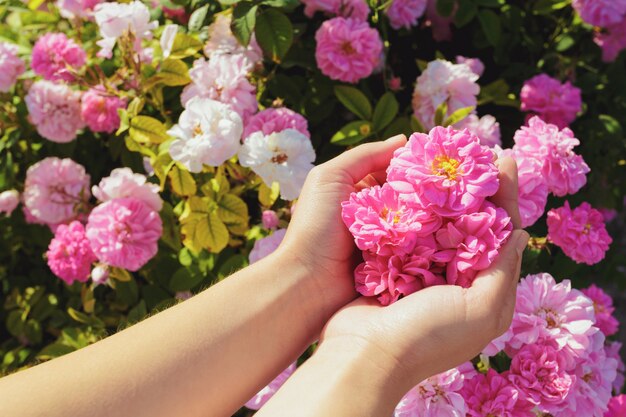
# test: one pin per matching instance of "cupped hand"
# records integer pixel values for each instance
(440, 327)
(317, 236)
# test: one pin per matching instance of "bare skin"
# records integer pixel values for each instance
(210, 354)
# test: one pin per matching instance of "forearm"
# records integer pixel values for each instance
(203, 357)
(339, 381)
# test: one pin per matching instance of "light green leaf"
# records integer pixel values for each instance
(440, 113)
(385, 111)
(184, 46)
(458, 115)
(354, 100)
(417, 126)
(352, 133)
(146, 129)
(174, 72)
(196, 20)
(182, 181)
(268, 195)
(232, 210)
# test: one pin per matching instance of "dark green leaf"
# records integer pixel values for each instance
(274, 34)
(445, 7)
(385, 111)
(244, 21)
(465, 13)
(490, 23)
(354, 100)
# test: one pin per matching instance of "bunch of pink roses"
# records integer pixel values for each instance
(430, 223)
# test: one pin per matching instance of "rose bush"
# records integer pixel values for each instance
(150, 148)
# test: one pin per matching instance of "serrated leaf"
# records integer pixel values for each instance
(385, 111)
(268, 195)
(184, 46)
(182, 181)
(174, 72)
(196, 20)
(458, 115)
(146, 129)
(243, 22)
(204, 231)
(232, 210)
(440, 113)
(352, 133)
(490, 23)
(274, 33)
(354, 100)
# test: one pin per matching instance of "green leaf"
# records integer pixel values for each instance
(182, 181)
(54, 350)
(385, 111)
(489, 3)
(228, 2)
(440, 113)
(174, 72)
(84, 318)
(401, 125)
(563, 43)
(546, 7)
(268, 195)
(196, 20)
(458, 115)
(281, 3)
(417, 126)
(352, 133)
(243, 22)
(146, 129)
(184, 46)
(232, 265)
(490, 23)
(465, 13)
(171, 233)
(185, 279)
(202, 227)
(232, 210)
(354, 100)
(445, 7)
(120, 274)
(274, 34)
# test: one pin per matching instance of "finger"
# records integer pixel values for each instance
(370, 180)
(367, 158)
(507, 195)
(493, 291)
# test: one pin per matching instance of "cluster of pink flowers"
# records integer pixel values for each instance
(580, 232)
(347, 49)
(560, 364)
(554, 102)
(121, 232)
(430, 223)
(546, 164)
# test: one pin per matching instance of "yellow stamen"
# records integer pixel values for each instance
(445, 166)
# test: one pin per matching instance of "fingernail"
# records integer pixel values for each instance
(522, 241)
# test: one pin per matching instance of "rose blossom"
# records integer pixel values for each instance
(471, 243)
(357, 9)
(265, 246)
(603, 307)
(554, 102)
(391, 277)
(547, 311)
(601, 13)
(486, 128)
(123, 182)
(55, 190)
(347, 49)
(591, 388)
(222, 41)
(285, 157)
(617, 406)
(11, 64)
(54, 109)
(71, 9)
(269, 219)
(273, 120)
(532, 187)
(99, 109)
(580, 233)
(443, 82)
(404, 13)
(100, 274)
(493, 395)
(437, 396)
(69, 254)
(208, 133)
(116, 19)
(612, 40)
(124, 232)
(53, 53)
(9, 200)
(222, 78)
(475, 64)
(539, 372)
(564, 171)
(381, 223)
(263, 396)
(612, 350)
(446, 171)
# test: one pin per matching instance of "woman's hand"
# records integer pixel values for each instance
(439, 327)
(317, 236)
